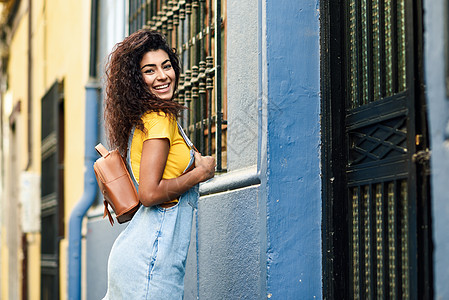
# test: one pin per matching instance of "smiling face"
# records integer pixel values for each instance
(158, 74)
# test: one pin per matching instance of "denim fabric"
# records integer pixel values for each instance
(147, 260)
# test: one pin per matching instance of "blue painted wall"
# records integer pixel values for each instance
(291, 113)
(435, 59)
(228, 240)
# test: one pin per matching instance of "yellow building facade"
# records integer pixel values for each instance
(44, 44)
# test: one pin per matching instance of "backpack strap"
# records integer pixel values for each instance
(102, 150)
(108, 213)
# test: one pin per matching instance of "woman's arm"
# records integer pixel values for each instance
(153, 189)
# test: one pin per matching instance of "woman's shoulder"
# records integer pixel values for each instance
(156, 116)
(152, 118)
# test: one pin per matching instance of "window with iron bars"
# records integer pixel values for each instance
(197, 29)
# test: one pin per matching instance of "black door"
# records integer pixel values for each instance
(375, 151)
(52, 150)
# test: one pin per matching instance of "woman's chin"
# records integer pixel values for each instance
(164, 96)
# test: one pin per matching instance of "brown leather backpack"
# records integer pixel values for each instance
(116, 185)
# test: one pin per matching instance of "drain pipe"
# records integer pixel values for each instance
(90, 191)
(90, 185)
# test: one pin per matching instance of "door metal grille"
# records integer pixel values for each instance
(197, 29)
(377, 50)
(378, 130)
(375, 107)
(380, 244)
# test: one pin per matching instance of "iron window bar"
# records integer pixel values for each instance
(194, 28)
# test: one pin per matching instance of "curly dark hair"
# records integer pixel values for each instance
(127, 96)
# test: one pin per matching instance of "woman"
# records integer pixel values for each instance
(147, 260)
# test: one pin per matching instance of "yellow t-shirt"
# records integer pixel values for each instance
(159, 125)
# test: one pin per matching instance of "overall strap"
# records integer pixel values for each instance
(128, 154)
(185, 137)
(128, 159)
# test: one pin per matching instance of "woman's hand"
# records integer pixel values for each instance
(155, 190)
(206, 164)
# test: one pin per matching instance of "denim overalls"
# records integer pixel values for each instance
(147, 260)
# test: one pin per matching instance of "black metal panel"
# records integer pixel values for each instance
(49, 178)
(51, 190)
(389, 170)
(371, 113)
(49, 286)
(378, 142)
(335, 233)
(49, 238)
(49, 111)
